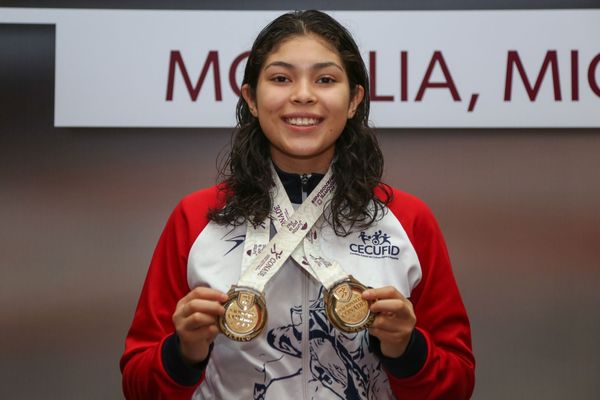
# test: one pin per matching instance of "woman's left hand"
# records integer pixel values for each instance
(395, 319)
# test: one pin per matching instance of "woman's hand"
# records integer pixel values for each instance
(195, 321)
(395, 319)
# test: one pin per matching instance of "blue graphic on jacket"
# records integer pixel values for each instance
(377, 238)
(344, 374)
(376, 245)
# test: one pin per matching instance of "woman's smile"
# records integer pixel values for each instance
(302, 122)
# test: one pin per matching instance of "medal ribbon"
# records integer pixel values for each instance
(260, 262)
(309, 255)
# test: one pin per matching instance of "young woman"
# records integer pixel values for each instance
(349, 295)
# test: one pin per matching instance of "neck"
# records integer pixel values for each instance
(302, 166)
(296, 185)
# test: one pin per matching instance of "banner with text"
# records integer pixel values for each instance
(156, 68)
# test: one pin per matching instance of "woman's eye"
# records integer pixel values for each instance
(280, 79)
(326, 79)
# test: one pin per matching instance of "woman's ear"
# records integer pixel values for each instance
(248, 96)
(357, 96)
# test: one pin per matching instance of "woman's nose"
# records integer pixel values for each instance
(303, 92)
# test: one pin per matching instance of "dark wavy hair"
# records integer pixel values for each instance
(358, 161)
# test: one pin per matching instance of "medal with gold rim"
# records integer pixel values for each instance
(346, 309)
(245, 314)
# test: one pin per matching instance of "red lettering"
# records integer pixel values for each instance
(514, 60)
(373, 80)
(448, 81)
(176, 60)
(474, 98)
(232, 72)
(592, 75)
(574, 75)
(403, 76)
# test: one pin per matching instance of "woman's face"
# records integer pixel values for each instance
(302, 102)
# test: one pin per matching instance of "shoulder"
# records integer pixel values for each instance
(203, 199)
(402, 204)
(413, 213)
(191, 213)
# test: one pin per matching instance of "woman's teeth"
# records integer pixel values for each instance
(302, 121)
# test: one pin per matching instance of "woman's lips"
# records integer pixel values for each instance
(302, 121)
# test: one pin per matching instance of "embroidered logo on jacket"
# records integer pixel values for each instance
(377, 245)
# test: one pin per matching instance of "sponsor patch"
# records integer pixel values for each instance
(376, 245)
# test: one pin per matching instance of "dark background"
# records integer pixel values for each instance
(81, 210)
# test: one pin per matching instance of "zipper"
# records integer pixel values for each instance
(305, 311)
(304, 181)
(305, 337)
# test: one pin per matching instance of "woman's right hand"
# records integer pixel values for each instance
(195, 319)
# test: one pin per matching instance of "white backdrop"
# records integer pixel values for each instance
(526, 68)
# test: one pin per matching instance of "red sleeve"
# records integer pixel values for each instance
(448, 372)
(142, 366)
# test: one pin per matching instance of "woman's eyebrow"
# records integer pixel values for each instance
(316, 66)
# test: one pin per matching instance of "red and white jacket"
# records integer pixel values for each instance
(300, 354)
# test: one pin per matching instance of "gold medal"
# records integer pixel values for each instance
(346, 308)
(245, 314)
